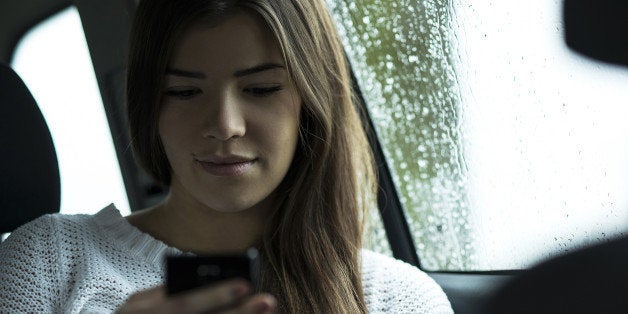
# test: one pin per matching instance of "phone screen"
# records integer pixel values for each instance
(188, 272)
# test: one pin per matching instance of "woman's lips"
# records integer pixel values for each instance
(227, 169)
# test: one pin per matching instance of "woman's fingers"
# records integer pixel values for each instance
(216, 297)
(261, 303)
(149, 294)
(143, 301)
(210, 299)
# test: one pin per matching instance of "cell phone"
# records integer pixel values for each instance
(188, 272)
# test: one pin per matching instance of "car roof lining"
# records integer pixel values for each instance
(21, 17)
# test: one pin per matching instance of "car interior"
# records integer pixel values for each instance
(30, 173)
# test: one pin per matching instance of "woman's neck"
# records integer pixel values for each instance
(192, 227)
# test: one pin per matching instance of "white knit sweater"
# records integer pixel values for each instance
(92, 263)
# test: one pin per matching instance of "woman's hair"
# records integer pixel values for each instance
(311, 248)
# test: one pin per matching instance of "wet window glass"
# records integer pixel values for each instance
(506, 148)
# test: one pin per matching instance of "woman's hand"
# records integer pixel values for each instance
(232, 296)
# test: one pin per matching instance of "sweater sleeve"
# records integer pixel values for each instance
(29, 268)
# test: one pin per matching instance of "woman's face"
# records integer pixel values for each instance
(230, 115)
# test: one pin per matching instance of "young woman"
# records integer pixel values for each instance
(244, 109)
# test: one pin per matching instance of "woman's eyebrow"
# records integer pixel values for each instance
(184, 73)
(200, 75)
(258, 68)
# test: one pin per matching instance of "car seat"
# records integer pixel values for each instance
(29, 172)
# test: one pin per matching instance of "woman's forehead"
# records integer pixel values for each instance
(239, 41)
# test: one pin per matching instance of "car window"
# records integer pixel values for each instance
(54, 62)
(505, 147)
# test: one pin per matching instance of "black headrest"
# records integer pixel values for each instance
(29, 172)
(598, 28)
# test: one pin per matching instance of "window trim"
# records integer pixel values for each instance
(390, 208)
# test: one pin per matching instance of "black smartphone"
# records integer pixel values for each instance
(188, 272)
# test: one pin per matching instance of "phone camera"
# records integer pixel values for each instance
(208, 271)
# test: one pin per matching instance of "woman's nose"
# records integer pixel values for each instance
(225, 120)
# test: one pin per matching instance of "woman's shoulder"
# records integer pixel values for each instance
(36, 234)
(34, 258)
(54, 229)
(391, 285)
(377, 266)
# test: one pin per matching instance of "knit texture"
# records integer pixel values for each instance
(92, 263)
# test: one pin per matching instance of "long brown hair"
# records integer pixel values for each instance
(312, 246)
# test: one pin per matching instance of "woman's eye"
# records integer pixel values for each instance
(182, 93)
(262, 91)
